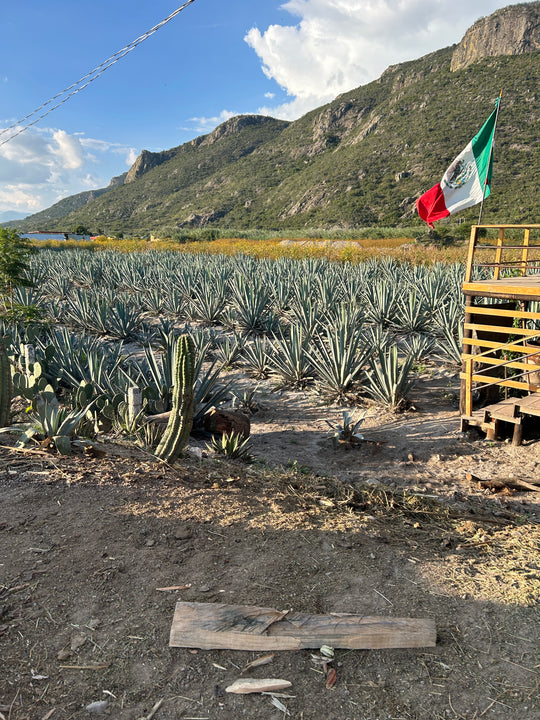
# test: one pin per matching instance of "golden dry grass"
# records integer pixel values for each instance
(402, 249)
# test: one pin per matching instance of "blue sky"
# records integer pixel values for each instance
(216, 59)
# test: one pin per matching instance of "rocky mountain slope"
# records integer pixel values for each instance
(363, 159)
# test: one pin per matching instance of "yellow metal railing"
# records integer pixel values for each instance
(524, 255)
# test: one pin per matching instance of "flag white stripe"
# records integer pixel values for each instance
(461, 184)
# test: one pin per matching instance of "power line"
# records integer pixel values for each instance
(76, 87)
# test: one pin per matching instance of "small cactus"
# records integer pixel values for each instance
(181, 419)
(6, 386)
(28, 384)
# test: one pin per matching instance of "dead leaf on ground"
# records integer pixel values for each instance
(331, 678)
(263, 660)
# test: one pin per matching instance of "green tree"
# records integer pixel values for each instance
(81, 230)
(15, 253)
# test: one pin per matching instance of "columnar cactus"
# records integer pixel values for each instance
(6, 388)
(181, 418)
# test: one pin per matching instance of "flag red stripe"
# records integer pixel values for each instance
(431, 205)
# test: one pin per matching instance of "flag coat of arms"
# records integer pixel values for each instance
(466, 181)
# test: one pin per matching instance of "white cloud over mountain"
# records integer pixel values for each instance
(337, 45)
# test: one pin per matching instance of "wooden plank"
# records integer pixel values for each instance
(507, 247)
(516, 281)
(526, 288)
(525, 253)
(530, 401)
(214, 626)
(488, 379)
(509, 227)
(501, 292)
(530, 405)
(496, 311)
(465, 392)
(507, 414)
(494, 345)
(484, 360)
(498, 254)
(502, 329)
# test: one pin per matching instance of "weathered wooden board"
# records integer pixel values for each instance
(213, 626)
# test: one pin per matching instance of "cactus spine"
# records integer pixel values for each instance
(6, 387)
(181, 418)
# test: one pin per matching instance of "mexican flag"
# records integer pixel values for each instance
(467, 180)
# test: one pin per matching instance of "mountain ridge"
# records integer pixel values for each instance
(362, 159)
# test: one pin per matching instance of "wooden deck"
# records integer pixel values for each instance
(501, 340)
(510, 410)
(508, 288)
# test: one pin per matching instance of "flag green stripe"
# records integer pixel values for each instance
(481, 147)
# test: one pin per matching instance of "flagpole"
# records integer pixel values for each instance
(490, 157)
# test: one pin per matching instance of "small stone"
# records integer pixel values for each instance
(99, 707)
(182, 533)
(204, 588)
(63, 654)
(150, 543)
(77, 641)
(195, 452)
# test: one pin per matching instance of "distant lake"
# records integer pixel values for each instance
(54, 236)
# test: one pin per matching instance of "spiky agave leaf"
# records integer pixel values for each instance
(387, 379)
(289, 359)
(338, 355)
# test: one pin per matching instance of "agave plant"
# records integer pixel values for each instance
(348, 431)
(228, 350)
(388, 380)
(52, 423)
(338, 357)
(87, 312)
(381, 302)
(289, 359)
(153, 301)
(449, 321)
(209, 299)
(412, 314)
(256, 355)
(233, 445)
(208, 391)
(418, 345)
(305, 313)
(123, 321)
(245, 400)
(50, 419)
(250, 302)
(174, 303)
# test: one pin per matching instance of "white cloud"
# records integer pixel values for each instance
(340, 44)
(207, 124)
(43, 165)
(17, 198)
(67, 149)
(131, 157)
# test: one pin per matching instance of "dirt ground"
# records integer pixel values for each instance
(391, 528)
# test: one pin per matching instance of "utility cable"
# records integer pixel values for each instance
(76, 87)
